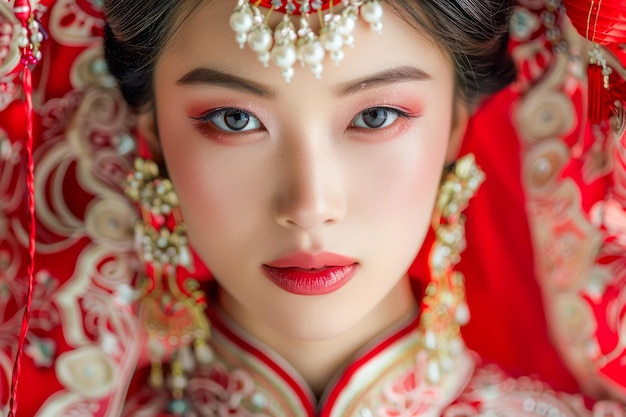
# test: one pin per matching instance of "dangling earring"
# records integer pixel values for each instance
(172, 305)
(444, 307)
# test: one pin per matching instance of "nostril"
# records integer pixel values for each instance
(309, 215)
(312, 191)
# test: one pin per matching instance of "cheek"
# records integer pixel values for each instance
(403, 201)
(404, 179)
(215, 193)
(399, 194)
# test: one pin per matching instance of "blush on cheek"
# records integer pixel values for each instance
(402, 189)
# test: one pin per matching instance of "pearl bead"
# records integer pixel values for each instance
(241, 22)
(259, 401)
(430, 341)
(204, 354)
(372, 12)
(241, 39)
(347, 25)
(157, 350)
(36, 37)
(332, 40)
(187, 359)
(337, 56)
(447, 364)
(264, 58)
(287, 74)
(433, 371)
(317, 71)
(185, 256)
(312, 53)
(462, 314)
(284, 56)
(179, 382)
(285, 31)
(456, 346)
(22, 41)
(260, 40)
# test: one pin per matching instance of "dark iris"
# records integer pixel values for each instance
(236, 119)
(375, 117)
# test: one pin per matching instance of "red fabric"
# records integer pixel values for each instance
(79, 170)
(509, 329)
(600, 21)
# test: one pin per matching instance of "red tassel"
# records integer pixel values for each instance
(599, 97)
(30, 56)
(30, 181)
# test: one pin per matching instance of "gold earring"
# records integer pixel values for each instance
(172, 305)
(444, 309)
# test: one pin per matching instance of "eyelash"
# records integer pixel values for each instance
(387, 110)
(213, 119)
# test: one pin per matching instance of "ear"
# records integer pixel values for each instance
(460, 119)
(147, 127)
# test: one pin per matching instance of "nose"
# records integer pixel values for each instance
(312, 192)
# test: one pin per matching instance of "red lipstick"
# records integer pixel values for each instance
(311, 274)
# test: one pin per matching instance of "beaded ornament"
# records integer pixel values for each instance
(444, 309)
(285, 45)
(172, 304)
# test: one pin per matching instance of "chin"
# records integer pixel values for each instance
(316, 320)
(313, 330)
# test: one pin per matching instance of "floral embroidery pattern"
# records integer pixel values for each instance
(409, 395)
(216, 391)
(573, 178)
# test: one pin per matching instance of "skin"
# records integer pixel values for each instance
(309, 178)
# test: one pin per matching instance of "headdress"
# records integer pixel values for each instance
(603, 22)
(284, 45)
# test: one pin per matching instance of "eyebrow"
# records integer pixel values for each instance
(390, 76)
(207, 76)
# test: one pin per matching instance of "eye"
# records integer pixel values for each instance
(230, 120)
(376, 118)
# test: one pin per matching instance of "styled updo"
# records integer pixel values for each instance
(475, 33)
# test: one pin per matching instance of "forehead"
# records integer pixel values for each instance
(206, 39)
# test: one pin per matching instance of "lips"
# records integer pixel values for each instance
(311, 274)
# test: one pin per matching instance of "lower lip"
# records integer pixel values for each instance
(310, 281)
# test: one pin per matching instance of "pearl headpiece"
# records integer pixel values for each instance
(285, 45)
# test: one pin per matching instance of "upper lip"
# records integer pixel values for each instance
(307, 260)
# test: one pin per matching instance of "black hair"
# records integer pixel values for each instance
(475, 33)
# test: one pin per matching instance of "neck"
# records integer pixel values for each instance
(317, 361)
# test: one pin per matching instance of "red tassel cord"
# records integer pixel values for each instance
(30, 56)
(30, 182)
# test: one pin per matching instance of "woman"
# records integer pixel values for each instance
(308, 195)
(85, 338)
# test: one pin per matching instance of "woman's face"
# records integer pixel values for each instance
(308, 201)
